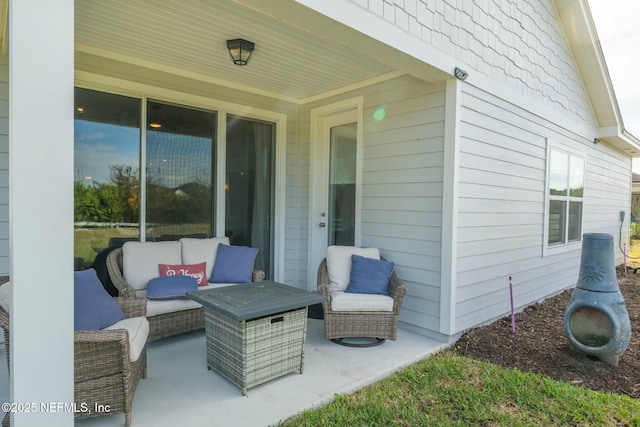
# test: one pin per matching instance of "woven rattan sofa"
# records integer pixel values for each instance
(186, 315)
(103, 372)
(381, 325)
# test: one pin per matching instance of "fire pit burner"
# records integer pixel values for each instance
(596, 320)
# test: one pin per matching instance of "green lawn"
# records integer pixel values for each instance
(451, 390)
(86, 239)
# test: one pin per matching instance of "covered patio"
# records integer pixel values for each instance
(179, 390)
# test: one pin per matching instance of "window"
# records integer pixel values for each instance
(107, 171)
(161, 184)
(565, 197)
(179, 196)
(249, 186)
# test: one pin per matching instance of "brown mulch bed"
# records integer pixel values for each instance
(540, 344)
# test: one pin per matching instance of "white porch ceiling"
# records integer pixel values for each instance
(190, 37)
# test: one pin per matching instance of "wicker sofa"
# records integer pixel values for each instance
(133, 265)
(103, 371)
(356, 319)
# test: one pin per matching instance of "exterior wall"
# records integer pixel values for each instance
(517, 43)
(402, 190)
(4, 166)
(501, 201)
(401, 187)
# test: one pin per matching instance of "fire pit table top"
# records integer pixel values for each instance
(253, 300)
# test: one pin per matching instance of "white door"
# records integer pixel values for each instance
(335, 186)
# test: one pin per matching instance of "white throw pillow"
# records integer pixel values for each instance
(339, 264)
(5, 297)
(140, 261)
(195, 251)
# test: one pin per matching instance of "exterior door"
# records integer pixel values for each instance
(335, 201)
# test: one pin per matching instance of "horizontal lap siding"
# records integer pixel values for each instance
(402, 190)
(501, 206)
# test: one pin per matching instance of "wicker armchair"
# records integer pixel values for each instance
(381, 325)
(103, 371)
(163, 325)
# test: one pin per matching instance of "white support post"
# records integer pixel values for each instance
(41, 64)
(448, 265)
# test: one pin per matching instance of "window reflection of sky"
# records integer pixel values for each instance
(100, 145)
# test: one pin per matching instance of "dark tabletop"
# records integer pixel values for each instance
(252, 300)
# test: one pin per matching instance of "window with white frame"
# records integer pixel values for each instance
(565, 183)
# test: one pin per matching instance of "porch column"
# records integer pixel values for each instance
(448, 260)
(41, 63)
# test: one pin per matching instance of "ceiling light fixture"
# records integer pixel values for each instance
(155, 125)
(240, 50)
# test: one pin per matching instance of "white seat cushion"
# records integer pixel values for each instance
(156, 307)
(339, 264)
(344, 301)
(195, 251)
(140, 262)
(138, 329)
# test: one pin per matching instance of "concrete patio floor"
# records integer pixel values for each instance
(180, 391)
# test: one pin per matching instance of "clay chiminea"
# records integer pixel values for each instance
(596, 320)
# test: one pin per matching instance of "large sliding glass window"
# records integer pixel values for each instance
(180, 147)
(248, 186)
(177, 197)
(106, 162)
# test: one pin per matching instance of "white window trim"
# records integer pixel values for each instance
(570, 246)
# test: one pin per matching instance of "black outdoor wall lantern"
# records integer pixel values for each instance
(240, 50)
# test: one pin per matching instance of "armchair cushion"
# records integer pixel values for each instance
(195, 251)
(234, 264)
(94, 308)
(170, 287)
(138, 330)
(339, 264)
(369, 276)
(344, 301)
(197, 271)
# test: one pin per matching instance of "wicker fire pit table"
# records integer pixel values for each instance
(255, 332)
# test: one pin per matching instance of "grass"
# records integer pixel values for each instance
(634, 254)
(450, 390)
(86, 239)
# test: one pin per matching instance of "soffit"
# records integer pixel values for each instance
(190, 38)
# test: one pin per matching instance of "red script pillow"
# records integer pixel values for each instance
(196, 271)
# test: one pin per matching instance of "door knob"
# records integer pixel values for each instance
(322, 224)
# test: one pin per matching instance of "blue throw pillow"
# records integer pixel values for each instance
(94, 308)
(369, 276)
(171, 287)
(234, 264)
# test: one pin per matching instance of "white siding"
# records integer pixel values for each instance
(502, 199)
(402, 190)
(518, 43)
(4, 167)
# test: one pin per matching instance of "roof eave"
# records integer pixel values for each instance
(621, 139)
(585, 44)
